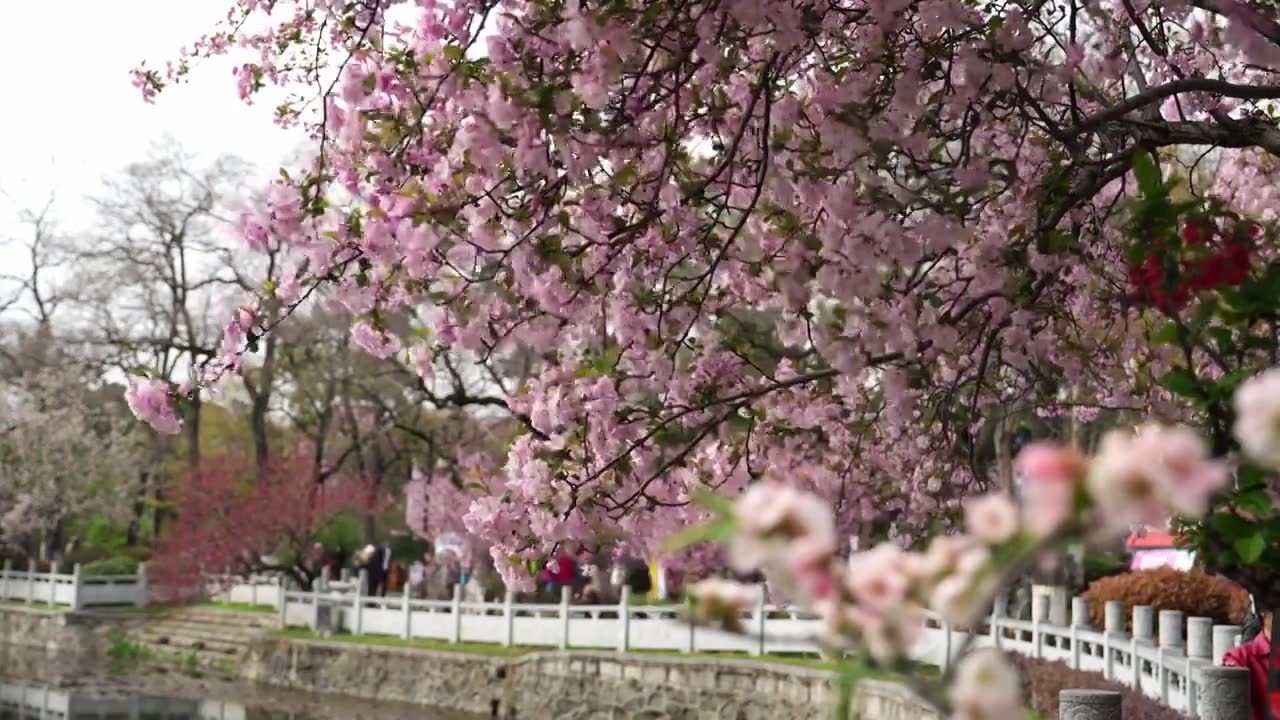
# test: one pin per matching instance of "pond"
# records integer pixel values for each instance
(36, 685)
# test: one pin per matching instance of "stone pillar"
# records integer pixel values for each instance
(1088, 705)
(1224, 693)
(1224, 638)
(77, 596)
(142, 595)
(1040, 608)
(565, 597)
(1114, 617)
(1080, 612)
(1171, 628)
(1200, 638)
(455, 632)
(1144, 623)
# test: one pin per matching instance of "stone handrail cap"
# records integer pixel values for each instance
(1092, 698)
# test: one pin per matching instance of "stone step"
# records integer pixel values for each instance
(182, 656)
(215, 616)
(183, 643)
(177, 625)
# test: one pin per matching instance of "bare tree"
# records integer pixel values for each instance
(151, 277)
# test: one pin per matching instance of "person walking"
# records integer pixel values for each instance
(1255, 656)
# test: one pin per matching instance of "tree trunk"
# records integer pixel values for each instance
(261, 404)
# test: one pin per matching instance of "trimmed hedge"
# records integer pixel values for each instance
(1194, 593)
(1042, 680)
(119, 565)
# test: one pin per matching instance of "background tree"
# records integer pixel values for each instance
(228, 519)
(63, 452)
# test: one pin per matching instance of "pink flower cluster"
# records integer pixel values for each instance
(151, 402)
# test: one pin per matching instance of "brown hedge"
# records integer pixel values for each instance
(1042, 680)
(1194, 593)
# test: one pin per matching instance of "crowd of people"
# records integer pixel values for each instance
(591, 577)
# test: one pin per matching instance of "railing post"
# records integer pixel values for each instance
(141, 591)
(1144, 623)
(1113, 617)
(455, 634)
(624, 620)
(31, 581)
(282, 602)
(689, 641)
(53, 583)
(1108, 658)
(1200, 638)
(947, 649)
(1223, 693)
(344, 575)
(358, 620)
(757, 623)
(77, 602)
(1091, 704)
(4, 579)
(999, 609)
(508, 619)
(565, 594)
(1224, 638)
(1171, 628)
(1079, 620)
(1039, 614)
(407, 631)
(1136, 662)
(1080, 612)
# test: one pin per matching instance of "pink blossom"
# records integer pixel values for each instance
(1257, 427)
(986, 688)
(993, 519)
(150, 402)
(1047, 462)
(1144, 476)
(722, 601)
(377, 343)
(876, 578)
(1050, 474)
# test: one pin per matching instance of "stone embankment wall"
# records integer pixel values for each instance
(572, 685)
(84, 634)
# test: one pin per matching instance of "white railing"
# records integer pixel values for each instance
(73, 590)
(1166, 669)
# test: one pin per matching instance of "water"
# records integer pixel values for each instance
(34, 685)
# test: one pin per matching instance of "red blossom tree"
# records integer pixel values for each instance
(227, 521)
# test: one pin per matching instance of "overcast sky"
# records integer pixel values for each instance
(72, 116)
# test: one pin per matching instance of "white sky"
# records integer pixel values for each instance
(71, 114)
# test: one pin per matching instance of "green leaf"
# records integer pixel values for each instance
(1147, 172)
(1251, 476)
(1250, 548)
(1231, 525)
(1167, 335)
(1181, 381)
(1255, 501)
(718, 504)
(718, 530)
(453, 53)
(627, 175)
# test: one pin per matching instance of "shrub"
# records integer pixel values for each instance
(86, 554)
(118, 565)
(1194, 593)
(1042, 680)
